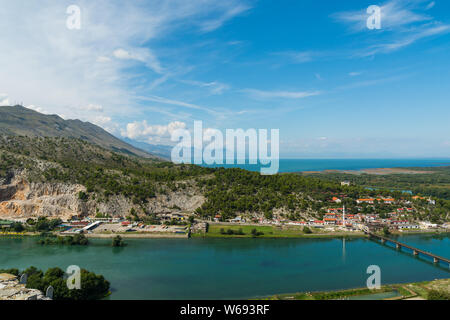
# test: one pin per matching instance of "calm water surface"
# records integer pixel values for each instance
(232, 268)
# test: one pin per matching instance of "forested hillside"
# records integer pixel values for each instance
(150, 187)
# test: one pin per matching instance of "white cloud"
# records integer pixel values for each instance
(37, 109)
(141, 130)
(260, 94)
(106, 123)
(354, 74)
(4, 101)
(103, 59)
(402, 24)
(394, 14)
(298, 56)
(177, 103)
(405, 41)
(101, 120)
(229, 13)
(92, 107)
(122, 54)
(65, 69)
(430, 5)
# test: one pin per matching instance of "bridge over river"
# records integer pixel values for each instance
(436, 259)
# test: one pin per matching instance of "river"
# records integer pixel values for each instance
(232, 268)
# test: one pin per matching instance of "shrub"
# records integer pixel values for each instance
(307, 230)
(118, 242)
(438, 295)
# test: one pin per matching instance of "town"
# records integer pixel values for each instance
(377, 214)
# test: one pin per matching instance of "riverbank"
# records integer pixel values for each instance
(426, 290)
(221, 230)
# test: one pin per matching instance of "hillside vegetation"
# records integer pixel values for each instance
(435, 182)
(226, 192)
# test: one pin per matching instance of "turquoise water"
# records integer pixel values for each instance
(232, 268)
(297, 165)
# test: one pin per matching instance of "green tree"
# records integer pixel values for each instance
(307, 230)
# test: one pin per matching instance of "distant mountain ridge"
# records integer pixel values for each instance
(163, 151)
(20, 121)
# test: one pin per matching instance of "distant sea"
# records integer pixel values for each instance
(298, 165)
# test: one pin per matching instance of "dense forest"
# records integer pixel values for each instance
(101, 171)
(234, 191)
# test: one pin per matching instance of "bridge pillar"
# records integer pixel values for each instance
(398, 246)
(435, 260)
(383, 241)
(416, 253)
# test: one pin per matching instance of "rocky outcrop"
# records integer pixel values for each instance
(22, 199)
(11, 289)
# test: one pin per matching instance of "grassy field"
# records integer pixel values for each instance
(214, 231)
(330, 295)
(413, 291)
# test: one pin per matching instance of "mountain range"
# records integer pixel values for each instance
(20, 121)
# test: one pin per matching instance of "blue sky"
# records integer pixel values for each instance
(310, 68)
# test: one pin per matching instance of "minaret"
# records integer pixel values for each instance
(343, 217)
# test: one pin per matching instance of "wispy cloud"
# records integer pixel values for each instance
(225, 15)
(141, 130)
(394, 14)
(143, 55)
(4, 101)
(176, 103)
(430, 5)
(260, 94)
(214, 87)
(403, 22)
(372, 82)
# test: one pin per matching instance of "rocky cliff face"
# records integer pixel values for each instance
(21, 199)
(11, 289)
